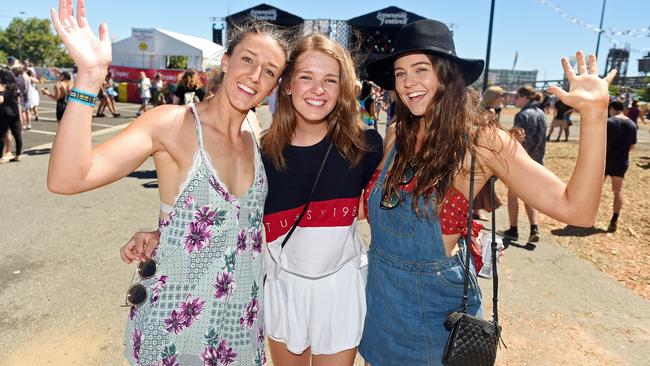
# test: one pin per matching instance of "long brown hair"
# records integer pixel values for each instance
(452, 123)
(345, 129)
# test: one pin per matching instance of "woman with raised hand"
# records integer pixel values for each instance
(418, 202)
(200, 298)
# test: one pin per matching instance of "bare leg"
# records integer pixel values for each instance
(532, 214)
(617, 188)
(550, 132)
(513, 208)
(281, 355)
(343, 358)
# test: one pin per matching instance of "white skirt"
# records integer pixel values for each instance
(326, 314)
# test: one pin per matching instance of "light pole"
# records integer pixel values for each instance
(600, 29)
(489, 47)
(20, 37)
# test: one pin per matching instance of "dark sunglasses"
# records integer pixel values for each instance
(137, 293)
(393, 200)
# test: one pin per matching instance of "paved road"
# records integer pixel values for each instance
(62, 283)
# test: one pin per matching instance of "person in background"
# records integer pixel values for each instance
(532, 120)
(9, 114)
(32, 95)
(106, 97)
(621, 138)
(189, 89)
(157, 90)
(23, 82)
(144, 87)
(390, 110)
(367, 105)
(491, 100)
(633, 113)
(562, 111)
(61, 90)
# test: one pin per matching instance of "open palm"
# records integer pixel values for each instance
(88, 51)
(587, 90)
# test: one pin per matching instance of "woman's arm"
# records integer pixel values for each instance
(575, 203)
(74, 165)
(46, 91)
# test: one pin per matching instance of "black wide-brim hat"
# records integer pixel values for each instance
(428, 36)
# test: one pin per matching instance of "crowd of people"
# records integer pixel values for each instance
(258, 231)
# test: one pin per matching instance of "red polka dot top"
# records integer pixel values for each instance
(453, 213)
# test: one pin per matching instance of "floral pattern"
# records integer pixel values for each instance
(205, 216)
(175, 322)
(242, 238)
(225, 286)
(198, 236)
(160, 284)
(164, 222)
(183, 317)
(250, 315)
(137, 343)
(221, 191)
(203, 245)
(257, 240)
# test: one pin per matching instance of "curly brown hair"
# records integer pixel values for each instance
(453, 122)
(345, 129)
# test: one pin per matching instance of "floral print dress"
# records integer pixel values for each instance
(204, 304)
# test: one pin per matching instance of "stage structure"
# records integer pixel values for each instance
(264, 12)
(373, 35)
(617, 58)
(644, 64)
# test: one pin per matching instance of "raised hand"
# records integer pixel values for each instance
(91, 54)
(587, 90)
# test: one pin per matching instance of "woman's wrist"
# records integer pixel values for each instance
(90, 80)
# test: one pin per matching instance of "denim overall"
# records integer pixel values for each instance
(412, 285)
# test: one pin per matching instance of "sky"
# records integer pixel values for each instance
(535, 30)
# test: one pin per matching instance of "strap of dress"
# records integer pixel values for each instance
(255, 142)
(197, 123)
(387, 163)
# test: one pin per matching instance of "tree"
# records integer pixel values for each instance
(33, 39)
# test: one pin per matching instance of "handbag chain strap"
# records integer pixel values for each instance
(468, 242)
(311, 194)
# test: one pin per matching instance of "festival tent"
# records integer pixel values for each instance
(266, 13)
(151, 48)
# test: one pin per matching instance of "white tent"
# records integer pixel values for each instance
(151, 48)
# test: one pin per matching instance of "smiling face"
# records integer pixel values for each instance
(315, 87)
(251, 71)
(416, 81)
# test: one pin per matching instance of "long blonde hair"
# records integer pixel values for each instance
(345, 129)
(490, 95)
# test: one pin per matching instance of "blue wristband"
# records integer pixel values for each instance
(84, 92)
(77, 100)
(82, 97)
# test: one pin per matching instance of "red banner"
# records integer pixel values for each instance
(132, 74)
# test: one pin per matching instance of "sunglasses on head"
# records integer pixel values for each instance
(394, 199)
(137, 293)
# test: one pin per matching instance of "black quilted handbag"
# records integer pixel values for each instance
(473, 341)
